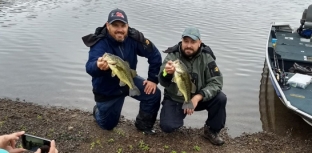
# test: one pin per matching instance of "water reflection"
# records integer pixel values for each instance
(275, 117)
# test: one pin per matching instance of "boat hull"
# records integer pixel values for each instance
(278, 89)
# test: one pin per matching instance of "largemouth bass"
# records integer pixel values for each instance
(185, 86)
(121, 69)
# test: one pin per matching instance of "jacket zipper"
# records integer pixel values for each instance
(122, 58)
(192, 70)
(121, 52)
(192, 62)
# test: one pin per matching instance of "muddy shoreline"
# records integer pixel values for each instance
(76, 131)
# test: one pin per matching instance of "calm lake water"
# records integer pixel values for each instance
(42, 56)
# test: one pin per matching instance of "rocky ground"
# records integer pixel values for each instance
(76, 131)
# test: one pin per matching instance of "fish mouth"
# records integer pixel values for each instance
(178, 71)
(112, 62)
(107, 54)
(176, 61)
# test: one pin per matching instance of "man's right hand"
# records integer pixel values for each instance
(102, 64)
(169, 68)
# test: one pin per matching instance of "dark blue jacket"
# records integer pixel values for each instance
(102, 81)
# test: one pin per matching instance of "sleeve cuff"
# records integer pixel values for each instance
(155, 80)
(202, 93)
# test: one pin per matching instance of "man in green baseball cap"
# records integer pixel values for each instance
(208, 80)
(190, 41)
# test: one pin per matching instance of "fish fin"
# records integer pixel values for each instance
(179, 93)
(127, 63)
(193, 88)
(133, 73)
(121, 83)
(113, 74)
(188, 105)
(134, 92)
(173, 80)
(190, 77)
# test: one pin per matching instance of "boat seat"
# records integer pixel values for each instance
(307, 18)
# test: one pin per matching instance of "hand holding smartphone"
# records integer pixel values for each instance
(33, 143)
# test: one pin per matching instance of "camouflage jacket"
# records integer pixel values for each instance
(202, 68)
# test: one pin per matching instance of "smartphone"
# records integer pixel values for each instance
(32, 143)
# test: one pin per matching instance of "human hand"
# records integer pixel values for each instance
(195, 101)
(169, 68)
(52, 148)
(8, 142)
(102, 64)
(150, 87)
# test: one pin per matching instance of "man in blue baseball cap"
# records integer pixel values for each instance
(117, 24)
(208, 80)
(116, 37)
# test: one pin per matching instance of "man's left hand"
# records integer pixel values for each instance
(150, 87)
(195, 101)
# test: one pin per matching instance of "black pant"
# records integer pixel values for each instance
(172, 114)
(108, 113)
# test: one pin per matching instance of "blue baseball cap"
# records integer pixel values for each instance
(117, 15)
(191, 32)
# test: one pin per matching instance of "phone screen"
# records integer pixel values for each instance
(32, 143)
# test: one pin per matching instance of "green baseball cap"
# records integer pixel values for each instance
(191, 32)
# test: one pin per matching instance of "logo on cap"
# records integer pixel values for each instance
(119, 14)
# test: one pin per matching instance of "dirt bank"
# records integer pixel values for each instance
(76, 131)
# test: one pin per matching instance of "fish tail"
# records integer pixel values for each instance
(134, 91)
(188, 105)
